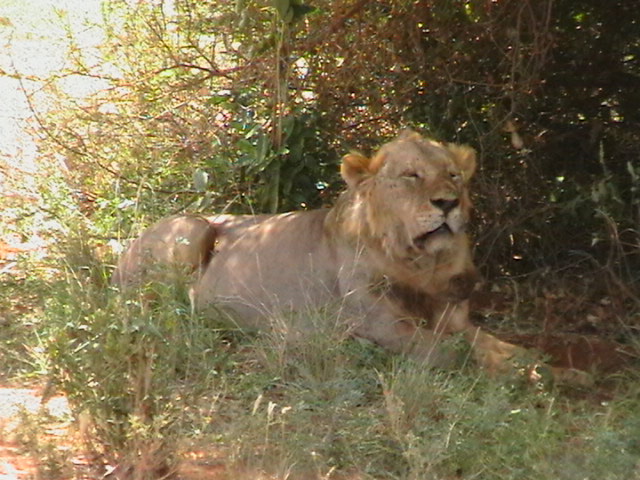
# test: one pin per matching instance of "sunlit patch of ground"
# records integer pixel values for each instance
(18, 463)
(31, 48)
(15, 400)
(15, 403)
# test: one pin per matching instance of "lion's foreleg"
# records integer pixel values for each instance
(498, 356)
(402, 335)
(491, 353)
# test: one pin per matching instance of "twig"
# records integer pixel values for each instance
(315, 39)
(212, 72)
(76, 151)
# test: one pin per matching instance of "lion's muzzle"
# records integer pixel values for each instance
(420, 241)
(444, 204)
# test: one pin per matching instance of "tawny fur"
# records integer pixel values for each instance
(391, 258)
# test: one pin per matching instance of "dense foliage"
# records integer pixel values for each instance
(248, 105)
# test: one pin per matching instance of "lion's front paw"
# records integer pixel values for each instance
(494, 355)
(503, 357)
(571, 377)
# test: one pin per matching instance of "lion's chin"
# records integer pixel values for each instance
(421, 242)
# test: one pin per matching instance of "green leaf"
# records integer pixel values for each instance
(283, 7)
(288, 124)
(200, 180)
(245, 146)
(263, 147)
(291, 10)
(300, 11)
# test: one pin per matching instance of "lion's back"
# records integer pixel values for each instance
(268, 264)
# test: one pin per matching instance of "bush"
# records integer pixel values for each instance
(138, 369)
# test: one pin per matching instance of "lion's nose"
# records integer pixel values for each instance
(445, 204)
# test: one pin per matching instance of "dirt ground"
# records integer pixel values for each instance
(22, 459)
(15, 403)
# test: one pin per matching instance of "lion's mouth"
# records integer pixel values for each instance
(421, 240)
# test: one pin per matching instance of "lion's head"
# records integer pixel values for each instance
(413, 193)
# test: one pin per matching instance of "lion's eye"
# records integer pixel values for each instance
(410, 174)
(455, 176)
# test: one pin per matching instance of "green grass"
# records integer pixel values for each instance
(399, 421)
(21, 304)
(160, 383)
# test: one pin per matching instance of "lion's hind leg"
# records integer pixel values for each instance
(180, 244)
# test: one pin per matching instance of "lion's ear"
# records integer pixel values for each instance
(409, 134)
(355, 168)
(465, 159)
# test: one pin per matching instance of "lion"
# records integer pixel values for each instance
(392, 255)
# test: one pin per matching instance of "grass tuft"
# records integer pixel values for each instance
(155, 387)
